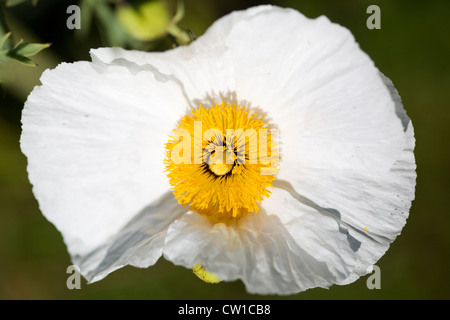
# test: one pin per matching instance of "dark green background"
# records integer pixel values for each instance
(412, 48)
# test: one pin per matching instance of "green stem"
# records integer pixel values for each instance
(182, 36)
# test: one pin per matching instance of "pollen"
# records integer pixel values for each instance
(206, 276)
(219, 169)
(221, 161)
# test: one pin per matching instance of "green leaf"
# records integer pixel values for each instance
(21, 51)
(23, 60)
(11, 3)
(18, 44)
(3, 27)
(4, 39)
(29, 49)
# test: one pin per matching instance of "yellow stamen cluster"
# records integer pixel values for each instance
(221, 161)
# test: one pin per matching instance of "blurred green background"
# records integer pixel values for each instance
(412, 48)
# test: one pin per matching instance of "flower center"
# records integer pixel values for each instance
(220, 169)
(220, 161)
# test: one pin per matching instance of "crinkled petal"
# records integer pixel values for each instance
(368, 210)
(329, 228)
(319, 89)
(94, 137)
(308, 77)
(295, 243)
(138, 244)
(205, 68)
(259, 251)
(347, 170)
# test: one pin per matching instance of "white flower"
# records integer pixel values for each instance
(98, 136)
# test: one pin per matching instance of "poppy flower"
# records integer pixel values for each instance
(301, 174)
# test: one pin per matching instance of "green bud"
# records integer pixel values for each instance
(147, 21)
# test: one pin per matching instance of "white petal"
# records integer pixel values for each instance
(319, 231)
(313, 239)
(205, 68)
(259, 251)
(138, 244)
(319, 88)
(342, 135)
(369, 210)
(94, 136)
(329, 229)
(308, 76)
